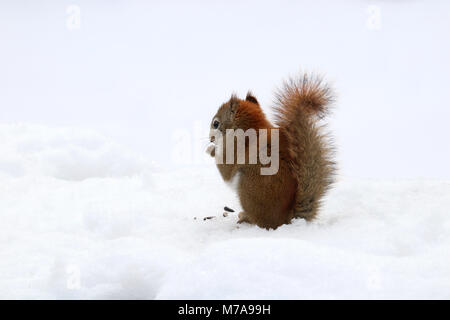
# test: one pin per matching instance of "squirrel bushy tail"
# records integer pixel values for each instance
(300, 105)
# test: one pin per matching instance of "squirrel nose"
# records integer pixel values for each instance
(212, 139)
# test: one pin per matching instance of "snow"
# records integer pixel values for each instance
(143, 71)
(85, 217)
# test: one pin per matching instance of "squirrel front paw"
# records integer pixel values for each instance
(211, 149)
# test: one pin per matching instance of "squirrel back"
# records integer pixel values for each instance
(305, 163)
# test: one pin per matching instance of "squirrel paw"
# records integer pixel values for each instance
(211, 149)
(243, 217)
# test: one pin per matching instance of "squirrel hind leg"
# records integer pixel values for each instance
(243, 217)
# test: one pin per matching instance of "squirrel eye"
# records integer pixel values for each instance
(215, 124)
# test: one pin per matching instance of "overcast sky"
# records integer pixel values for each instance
(145, 72)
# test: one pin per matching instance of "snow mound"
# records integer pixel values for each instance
(130, 232)
(63, 153)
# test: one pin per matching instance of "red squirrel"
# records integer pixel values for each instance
(305, 166)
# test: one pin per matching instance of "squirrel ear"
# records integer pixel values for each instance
(233, 102)
(251, 98)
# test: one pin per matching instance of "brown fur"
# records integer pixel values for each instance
(305, 171)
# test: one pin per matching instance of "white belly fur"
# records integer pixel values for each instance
(233, 183)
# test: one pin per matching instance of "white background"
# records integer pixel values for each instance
(143, 72)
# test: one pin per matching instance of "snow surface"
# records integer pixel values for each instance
(83, 217)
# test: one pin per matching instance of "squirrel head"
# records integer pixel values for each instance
(239, 114)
